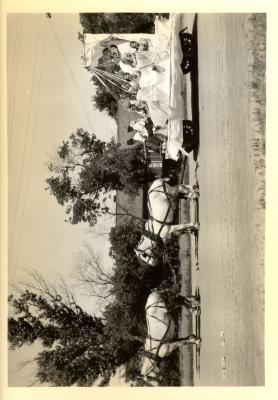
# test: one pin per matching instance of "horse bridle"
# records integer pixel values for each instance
(155, 237)
(155, 250)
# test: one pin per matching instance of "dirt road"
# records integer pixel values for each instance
(231, 213)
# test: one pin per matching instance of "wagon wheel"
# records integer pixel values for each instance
(186, 65)
(189, 128)
(190, 137)
(186, 40)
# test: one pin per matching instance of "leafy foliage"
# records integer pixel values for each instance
(75, 350)
(104, 101)
(131, 285)
(87, 169)
(118, 22)
(82, 349)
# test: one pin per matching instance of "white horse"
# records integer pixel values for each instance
(161, 331)
(162, 199)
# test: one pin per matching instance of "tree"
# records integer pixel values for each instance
(87, 169)
(104, 101)
(131, 285)
(118, 22)
(75, 345)
(80, 37)
(78, 348)
(90, 274)
(124, 238)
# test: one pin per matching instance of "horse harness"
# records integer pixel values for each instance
(154, 357)
(155, 237)
(171, 206)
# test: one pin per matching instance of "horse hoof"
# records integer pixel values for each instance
(193, 339)
(195, 309)
(198, 342)
(195, 303)
(196, 226)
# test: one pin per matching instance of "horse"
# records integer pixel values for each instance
(161, 327)
(162, 199)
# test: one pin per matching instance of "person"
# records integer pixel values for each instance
(129, 58)
(126, 66)
(106, 58)
(151, 143)
(139, 126)
(161, 132)
(139, 137)
(143, 129)
(141, 45)
(114, 51)
(130, 142)
(106, 55)
(138, 106)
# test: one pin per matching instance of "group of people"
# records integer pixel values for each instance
(136, 62)
(146, 133)
(141, 67)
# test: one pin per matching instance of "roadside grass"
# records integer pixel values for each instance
(257, 85)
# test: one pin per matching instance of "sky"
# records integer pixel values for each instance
(49, 96)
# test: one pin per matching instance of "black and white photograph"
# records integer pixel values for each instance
(136, 167)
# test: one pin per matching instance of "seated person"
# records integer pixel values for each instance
(133, 87)
(140, 45)
(161, 132)
(138, 106)
(106, 56)
(114, 51)
(139, 137)
(131, 142)
(130, 77)
(129, 58)
(126, 66)
(133, 81)
(107, 62)
(151, 143)
(139, 126)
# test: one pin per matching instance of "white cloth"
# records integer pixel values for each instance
(95, 42)
(139, 137)
(158, 112)
(139, 126)
(160, 90)
(127, 68)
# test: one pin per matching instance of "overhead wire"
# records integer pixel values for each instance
(33, 137)
(71, 73)
(14, 74)
(11, 53)
(19, 187)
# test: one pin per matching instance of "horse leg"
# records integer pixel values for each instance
(167, 348)
(179, 229)
(188, 192)
(189, 302)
